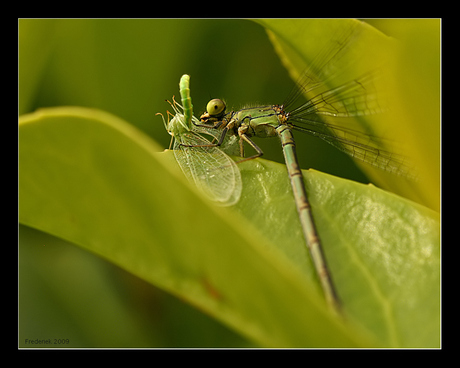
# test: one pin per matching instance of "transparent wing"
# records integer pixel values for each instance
(212, 171)
(356, 98)
(361, 147)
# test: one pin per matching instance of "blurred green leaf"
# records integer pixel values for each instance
(134, 208)
(47, 311)
(69, 294)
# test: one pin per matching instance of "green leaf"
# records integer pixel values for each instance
(90, 178)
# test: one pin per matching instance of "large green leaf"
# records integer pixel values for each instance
(94, 180)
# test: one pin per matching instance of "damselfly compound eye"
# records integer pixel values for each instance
(215, 107)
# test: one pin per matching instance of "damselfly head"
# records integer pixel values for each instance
(215, 110)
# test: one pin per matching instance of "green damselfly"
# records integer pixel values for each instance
(357, 97)
(207, 166)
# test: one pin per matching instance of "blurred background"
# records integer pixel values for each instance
(129, 68)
